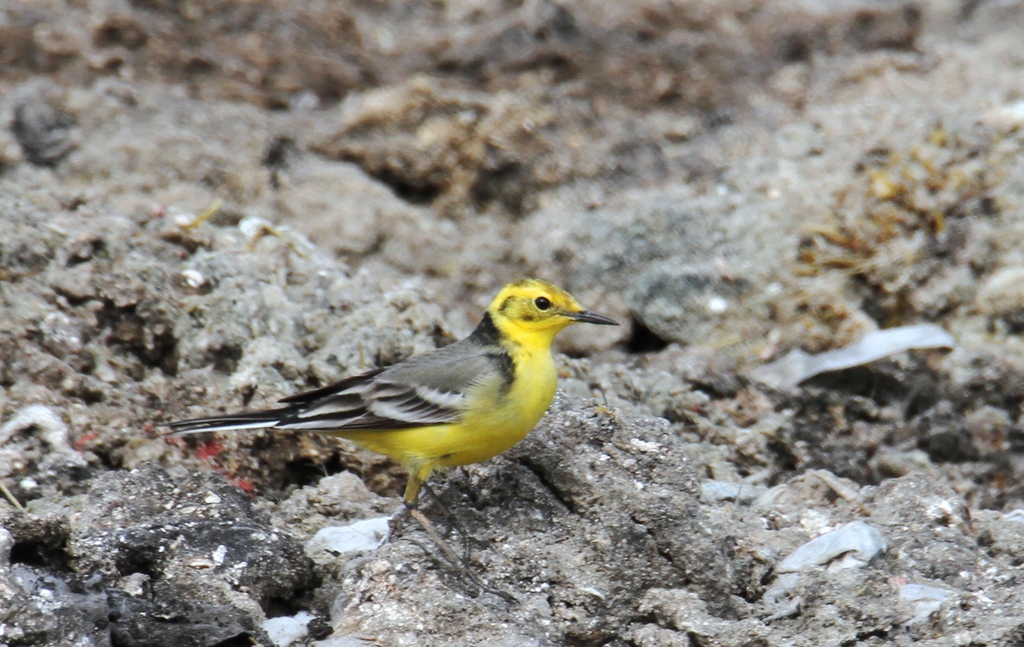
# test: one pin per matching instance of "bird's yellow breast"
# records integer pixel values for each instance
(485, 434)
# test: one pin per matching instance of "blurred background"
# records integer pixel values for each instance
(207, 205)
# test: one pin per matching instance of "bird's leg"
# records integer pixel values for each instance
(417, 478)
(458, 565)
(417, 481)
(453, 520)
(431, 529)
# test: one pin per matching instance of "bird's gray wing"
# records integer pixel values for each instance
(424, 390)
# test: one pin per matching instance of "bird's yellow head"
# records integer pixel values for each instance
(534, 311)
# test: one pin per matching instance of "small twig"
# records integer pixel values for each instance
(207, 213)
(10, 497)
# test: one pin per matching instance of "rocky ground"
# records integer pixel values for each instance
(206, 206)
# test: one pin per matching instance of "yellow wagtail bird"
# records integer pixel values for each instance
(457, 405)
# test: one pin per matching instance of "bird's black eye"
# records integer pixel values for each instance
(542, 303)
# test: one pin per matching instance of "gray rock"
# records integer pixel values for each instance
(157, 562)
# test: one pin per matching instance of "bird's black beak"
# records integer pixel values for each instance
(587, 316)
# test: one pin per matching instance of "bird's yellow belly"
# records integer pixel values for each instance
(485, 436)
(483, 433)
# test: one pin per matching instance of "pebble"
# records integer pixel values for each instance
(361, 536)
(285, 630)
(713, 491)
(923, 599)
(856, 542)
(852, 545)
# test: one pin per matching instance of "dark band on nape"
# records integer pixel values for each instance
(486, 332)
(506, 367)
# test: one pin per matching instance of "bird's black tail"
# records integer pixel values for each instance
(254, 420)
